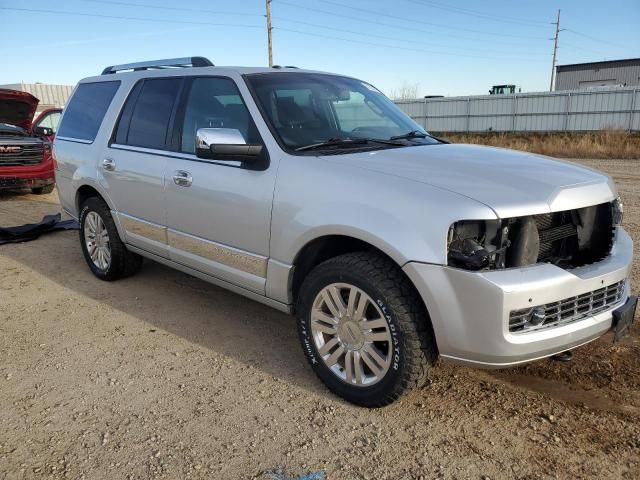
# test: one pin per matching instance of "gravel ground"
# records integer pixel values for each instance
(164, 376)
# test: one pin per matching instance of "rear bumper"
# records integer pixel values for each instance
(470, 310)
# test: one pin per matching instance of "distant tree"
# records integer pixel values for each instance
(407, 91)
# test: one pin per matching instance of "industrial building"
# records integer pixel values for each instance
(50, 96)
(622, 73)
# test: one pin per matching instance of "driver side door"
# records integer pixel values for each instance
(218, 211)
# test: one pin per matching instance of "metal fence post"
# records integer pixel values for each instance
(468, 113)
(566, 117)
(632, 109)
(425, 114)
(514, 113)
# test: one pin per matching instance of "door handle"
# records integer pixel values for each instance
(109, 164)
(182, 178)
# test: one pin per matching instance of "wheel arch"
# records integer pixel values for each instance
(322, 248)
(85, 192)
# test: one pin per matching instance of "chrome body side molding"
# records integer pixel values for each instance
(229, 256)
(283, 307)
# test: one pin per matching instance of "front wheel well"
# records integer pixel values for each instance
(322, 249)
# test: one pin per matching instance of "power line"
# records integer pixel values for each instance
(176, 9)
(382, 45)
(384, 37)
(375, 22)
(582, 49)
(122, 17)
(479, 14)
(575, 32)
(406, 19)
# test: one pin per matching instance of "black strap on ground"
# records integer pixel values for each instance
(31, 231)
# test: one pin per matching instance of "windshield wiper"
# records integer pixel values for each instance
(416, 134)
(336, 142)
(410, 135)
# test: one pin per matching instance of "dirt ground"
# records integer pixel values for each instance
(164, 376)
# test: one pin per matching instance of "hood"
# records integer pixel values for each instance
(511, 183)
(17, 108)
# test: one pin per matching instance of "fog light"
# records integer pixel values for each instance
(536, 317)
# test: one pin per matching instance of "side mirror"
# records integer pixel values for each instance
(43, 131)
(225, 144)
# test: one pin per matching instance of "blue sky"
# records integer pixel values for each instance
(445, 47)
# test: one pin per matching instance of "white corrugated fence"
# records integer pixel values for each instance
(569, 110)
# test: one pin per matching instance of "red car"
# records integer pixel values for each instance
(25, 147)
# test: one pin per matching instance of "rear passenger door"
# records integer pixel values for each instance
(219, 221)
(134, 164)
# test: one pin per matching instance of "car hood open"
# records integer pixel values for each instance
(17, 108)
(512, 183)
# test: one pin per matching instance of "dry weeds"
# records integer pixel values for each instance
(602, 145)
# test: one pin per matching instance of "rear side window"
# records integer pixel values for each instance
(148, 112)
(86, 110)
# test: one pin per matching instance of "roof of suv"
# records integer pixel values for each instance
(222, 70)
(185, 66)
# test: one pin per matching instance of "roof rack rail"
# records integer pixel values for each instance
(167, 63)
(284, 66)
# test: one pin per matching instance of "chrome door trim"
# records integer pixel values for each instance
(231, 257)
(283, 307)
(142, 228)
(74, 140)
(171, 154)
(241, 260)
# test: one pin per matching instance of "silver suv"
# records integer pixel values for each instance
(314, 194)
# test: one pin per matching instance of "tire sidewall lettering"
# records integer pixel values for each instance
(395, 333)
(307, 341)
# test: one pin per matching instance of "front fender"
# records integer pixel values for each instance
(407, 220)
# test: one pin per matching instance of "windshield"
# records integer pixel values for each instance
(317, 110)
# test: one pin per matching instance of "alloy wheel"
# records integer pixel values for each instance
(96, 238)
(351, 334)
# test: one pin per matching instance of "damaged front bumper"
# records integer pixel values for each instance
(470, 311)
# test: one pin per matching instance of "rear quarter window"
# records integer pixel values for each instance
(86, 109)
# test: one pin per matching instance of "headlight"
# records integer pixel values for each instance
(472, 244)
(618, 212)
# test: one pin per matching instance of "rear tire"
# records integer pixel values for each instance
(390, 336)
(104, 252)
(43, 190)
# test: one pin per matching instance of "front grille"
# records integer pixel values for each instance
(28, 155)
(570, 309)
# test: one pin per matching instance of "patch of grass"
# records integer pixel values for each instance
(604, 144)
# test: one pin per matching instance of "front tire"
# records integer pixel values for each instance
(364, 329)
(104, 252)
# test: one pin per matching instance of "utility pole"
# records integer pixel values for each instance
(555, 49)
(269, 33)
